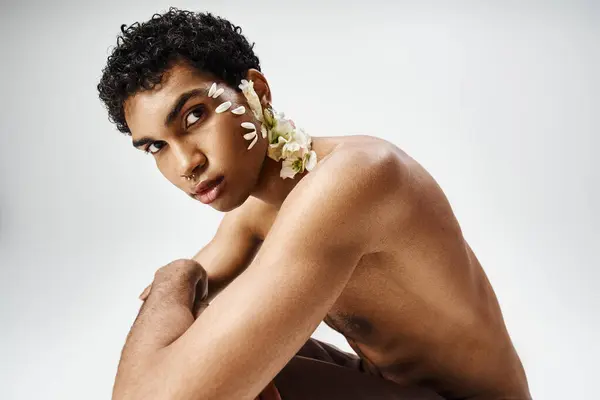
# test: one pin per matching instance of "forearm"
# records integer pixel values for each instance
(156, 326)
(256, 326)
(161, 321)
(166, 314)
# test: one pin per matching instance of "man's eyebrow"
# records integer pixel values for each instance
(175, 110)
(178, 105)
(142, 141)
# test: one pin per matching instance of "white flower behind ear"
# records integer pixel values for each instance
(286, 142)
(247, 88)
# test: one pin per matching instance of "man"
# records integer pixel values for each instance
(349, 230)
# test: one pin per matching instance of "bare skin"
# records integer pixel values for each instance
(366, 242)
(318, 371)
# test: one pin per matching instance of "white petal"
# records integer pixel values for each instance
(312, 161)
(223, 107)
(212, 90)
(218, 93)
(248, 125)
(263, 130)
(239, 111)
(253, 142)
(243, 84)
(287, 171)
(250, 135)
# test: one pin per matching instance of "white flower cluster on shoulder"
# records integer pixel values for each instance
(286, 142)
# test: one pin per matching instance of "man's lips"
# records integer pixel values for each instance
(206, 185)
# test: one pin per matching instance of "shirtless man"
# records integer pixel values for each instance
(358, 234)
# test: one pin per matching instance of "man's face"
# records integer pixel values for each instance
(178, 124)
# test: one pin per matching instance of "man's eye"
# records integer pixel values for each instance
(154, 147)
(194, 116)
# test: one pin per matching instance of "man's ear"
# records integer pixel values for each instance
(261, 86)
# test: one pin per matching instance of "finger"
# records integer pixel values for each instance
(199, 308)
(201, 297)
(145, 293)
(202, 288)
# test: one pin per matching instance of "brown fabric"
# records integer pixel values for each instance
(320, 371)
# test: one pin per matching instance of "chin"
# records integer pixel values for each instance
(227, 203)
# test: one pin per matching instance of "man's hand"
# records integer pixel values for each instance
(172, 270)
(171, 304)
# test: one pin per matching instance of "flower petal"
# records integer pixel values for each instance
(250, 135)
(243, 84)
(218, 93)
(312, 161)
(213, 89)
(248, 125)
(223, 107)
(239, 110)
(287, 170)
(253, 142)
(263, 130)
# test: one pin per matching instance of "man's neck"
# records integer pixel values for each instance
(272, 189)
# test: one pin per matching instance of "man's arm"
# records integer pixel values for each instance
(248, 334)
(231, 250)
(166, 315)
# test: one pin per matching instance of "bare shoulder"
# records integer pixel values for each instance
(392, 170)
(376, 184)
(352, 192)
(367, 166)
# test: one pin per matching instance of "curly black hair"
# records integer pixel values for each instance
(145, 51)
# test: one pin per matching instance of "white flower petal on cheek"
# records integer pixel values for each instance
(263, 131)
(254, 141)
(223, 107)
(248, 125)
(250, 135)
(218, 93)
(239, 110)
(212, 90)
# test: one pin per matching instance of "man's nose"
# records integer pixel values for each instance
(190, 159)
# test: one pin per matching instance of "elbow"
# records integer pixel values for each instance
(155, 390)
(164, 387)
(156, 384)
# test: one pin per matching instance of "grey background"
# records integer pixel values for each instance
(499, 100)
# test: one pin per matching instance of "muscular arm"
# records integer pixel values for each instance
(231, 250)
(171, 303)
(249, 333)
